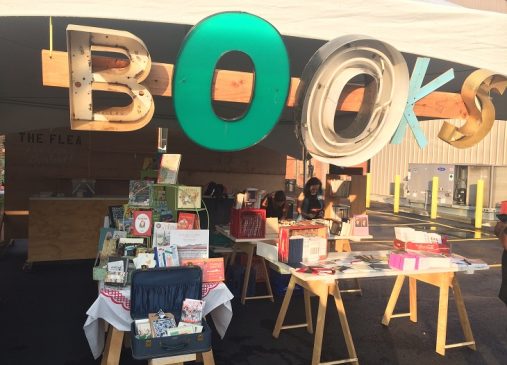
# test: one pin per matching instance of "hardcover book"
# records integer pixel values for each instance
(189, 197)
(139, 193)
(161, 233)
(142, 223)
(169, 166)
(212, 269)
(188, 221)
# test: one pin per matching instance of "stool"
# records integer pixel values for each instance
(205, 357)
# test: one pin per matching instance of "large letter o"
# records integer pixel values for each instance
(323, 80)
(205, 44)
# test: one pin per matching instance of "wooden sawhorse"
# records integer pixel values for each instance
(249, 248)
(321, 287)
(443, 281)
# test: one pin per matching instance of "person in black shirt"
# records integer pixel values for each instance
(275, 205)
(501, 233)
(310, 201)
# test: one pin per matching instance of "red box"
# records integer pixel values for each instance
(424, 247)
(248, 223)
(297, 230)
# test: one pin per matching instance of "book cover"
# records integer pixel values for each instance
(169, 167)
(115, 214)
(191, 311)
(192, 243)
(105, 234)
(212, 269)
(161, 233)
(143, 328)
(167, 256)
(161, 323)
(142, 223)
(189, 197)
(139, 193)
(360, 225)
(187, 220)
(158, 196)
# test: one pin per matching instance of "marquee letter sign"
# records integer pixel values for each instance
(81, 41)
(322, 82)
(479, 122)
(193, 80)
(416, 92)
(384, 99)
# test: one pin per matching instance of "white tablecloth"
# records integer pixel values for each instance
(113, 306)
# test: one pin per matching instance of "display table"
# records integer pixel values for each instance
(324, 285)
(248, 246)
(113, 306)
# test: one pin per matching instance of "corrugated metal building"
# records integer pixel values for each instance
(491, 151)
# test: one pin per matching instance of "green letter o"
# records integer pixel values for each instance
(205, 44)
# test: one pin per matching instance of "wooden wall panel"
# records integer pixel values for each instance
(66, 229)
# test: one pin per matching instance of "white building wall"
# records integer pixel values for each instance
(394, 159)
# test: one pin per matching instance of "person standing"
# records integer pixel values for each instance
(310, 201)
(276, 205)
(501, 233)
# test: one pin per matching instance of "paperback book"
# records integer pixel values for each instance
(169, 167)
(139, 193)
(191, 311)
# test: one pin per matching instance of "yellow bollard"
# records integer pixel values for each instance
(397, 180)
(368, 189)
(434, 197)
(479, 197)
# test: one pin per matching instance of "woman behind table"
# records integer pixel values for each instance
(310, 201)
(501, 233)
(275, 205)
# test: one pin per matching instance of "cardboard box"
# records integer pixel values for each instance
(442, 248)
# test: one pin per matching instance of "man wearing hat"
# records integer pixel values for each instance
(501, 233)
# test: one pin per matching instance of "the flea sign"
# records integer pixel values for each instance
(386, 109)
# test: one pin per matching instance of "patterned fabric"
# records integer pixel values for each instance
(207, 287)
(118, 298)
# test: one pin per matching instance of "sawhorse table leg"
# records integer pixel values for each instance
(443, 281)
(322, 290)
(112, 350)
(249, 249)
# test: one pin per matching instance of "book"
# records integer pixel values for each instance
(161, 233)
(167, 256)
(143, 328)
(128, 246)
(187, 220)
(360, 225)
(191, 311)
(192, 243)
(115, 214)
(161, 323)
(106, 241)
(189, 197)
(142, 223)
(169, 167)
(212, 269)
(139, 193)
